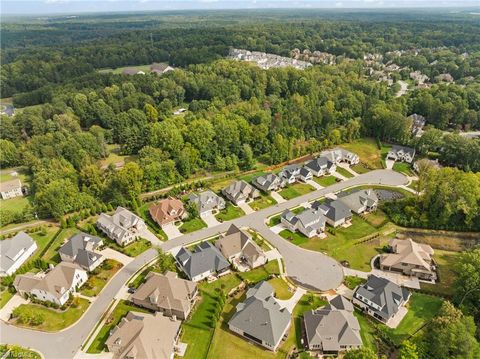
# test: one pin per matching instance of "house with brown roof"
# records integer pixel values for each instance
(144, 336)
(240, 249)
(55, 286)
(167, 211)
(11, 189)
(160, 68)
(409, 258)
(166, 293)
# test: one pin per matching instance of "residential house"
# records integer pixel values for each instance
(336, 212)
(56, 286)
(167, 211)
(418, 123)
(444, 78)
(293, 173)
(205, 261)
(240, 192)
(132, 71)
(260, 318)
(160, 68)
(123, 226)
(409, 258)
(14, 252)
(310, 222)
(166, 293)
(380, 298)
(321, 166)
(360, 201)
(269, 182)
(339, 155)
(82, 249)
(240, 249)
(333, 328)
(207, 202)
(144, 336)
(401, 153)
(11, 189)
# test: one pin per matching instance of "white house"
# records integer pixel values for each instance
(11, 189)
(14, 252)
(310, 222)
(123, 226)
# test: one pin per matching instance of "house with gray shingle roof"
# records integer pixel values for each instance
(207, 202)
(123, 226)
(205, 261)
(333, 328)
(365, 200)
(260, 318)
(401, 153)
(335, 212)
(269, 182)
(310, 222)
(81, 249)
(14, 252)
(321, 166)
(338, 155)
(294, 173)
(380, 298)
(240, 192)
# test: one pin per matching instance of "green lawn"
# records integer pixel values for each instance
(119, 70)
(262, 273)
(262, 202)
(296, 190)
(377, 218)
(360, 168)
(403, 167)
(446, 262)
(352, 282)
(367, 331)
(192, 225)
(5, 296)
(421, 309)
(281, 288)
(367, 150)
(100, 277)
(51, 255)
(344, 172)
(118, 313)
(277, 218)
(250, 176)
(15, 205)
(413, 185)
(342, 245)
(296, 238)
(143, 212)
(325, 181)
(54, 320)
(114, 156)
(133, 249)
(16, 352)
(230, 212)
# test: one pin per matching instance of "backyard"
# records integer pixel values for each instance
(229, 212)
(367, 150)
(100, 277)
(325, 181)
(262, 202)
(51, 255)
(192, 225)
(281, 288)
(133, 249)
(296, 190)
(446, 262)
(53, 319)
(114, 156)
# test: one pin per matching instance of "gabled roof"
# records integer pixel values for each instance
(409, 252)
(238, 189)
(236, 242)
(318, 164)
(119, 223)
(396, 149)
(261, 316)
(384, 293)
(12, 248)
(266, 180)
(76, 247)
(333, 210)
(11, 185)
(167, 210)
(206, 201)
(359, 199)
(205, 258)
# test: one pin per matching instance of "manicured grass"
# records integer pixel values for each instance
(277, 219)
(15, 205)
(100, 277)
(115, 157)
(54, 320)
(296, 190)
(114, 318)
(352, 282)
(51, 255)
(377, 218)
(119, 70)
(262, 273)
(192, 225)
(259, 240)
(403, 167)
(262, 202)
(367, 330)
(325, 181)
(344, 172)
(230, 212)
(17, 352)
(367, 150)
(343, 244)
(446, 262)
(421, 309)
(281, 288)
(360, 168)
(294, 237)
(143, 212)
(5, 296)
(133, 249)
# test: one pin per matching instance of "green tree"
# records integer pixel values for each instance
(408, 350)
(361, 353)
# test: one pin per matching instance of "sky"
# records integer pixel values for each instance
(26, 7)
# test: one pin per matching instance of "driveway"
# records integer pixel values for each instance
(278, 228)
(314, 184)
(246, 208)
(172, 231)
(339, 176)
(389, 164)
(292, 302)
(152, 238)
(14, 302)
(210, 220)
(347, 168)
(276, 196)
(110, 253)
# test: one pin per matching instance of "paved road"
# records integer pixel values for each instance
(310, 269)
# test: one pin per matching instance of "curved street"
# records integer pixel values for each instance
(311, 270)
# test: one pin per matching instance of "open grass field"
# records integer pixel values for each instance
(118, 313)
(230, 212)
(296, 190)
(51, 255)
(446, 262)
(192, 225)
(15, 205)
(367, 150)
(325, 181)
(119, 70)
(360, 168)
(262, 202)
(115, 157)
(132, 250)
(100, 277)
(344, 172)
(54, 320)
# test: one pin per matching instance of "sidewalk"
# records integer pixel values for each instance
(277, 197)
